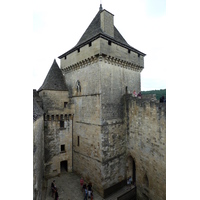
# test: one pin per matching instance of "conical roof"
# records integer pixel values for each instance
(54, 79)
(94, 31)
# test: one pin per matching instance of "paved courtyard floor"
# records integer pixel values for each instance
(68, 185)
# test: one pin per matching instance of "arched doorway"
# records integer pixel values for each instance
(131, 169)
(63, 166)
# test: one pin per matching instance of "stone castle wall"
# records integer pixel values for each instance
(38, 158)
(58, 131)
(146, 144)
(53, 100)
(55, 136)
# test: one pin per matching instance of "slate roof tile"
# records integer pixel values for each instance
(54, 79)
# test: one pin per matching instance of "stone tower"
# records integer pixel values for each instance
(58, 115)
(98, 71)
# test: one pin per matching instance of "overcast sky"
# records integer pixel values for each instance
(58, 26)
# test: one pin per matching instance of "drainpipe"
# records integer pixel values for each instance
(72, 143)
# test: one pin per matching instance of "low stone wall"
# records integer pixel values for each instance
(130, 195)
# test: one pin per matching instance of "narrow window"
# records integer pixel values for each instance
(47, 117)
(62, 148)
(52, 117)
(90, 44)
(109, 42)
(61, 124)
(78, 141)
(129, 51)
(138, 55)
(78, 50)
(65, 116)
(65, 104)
(65, 57)
(61, 117)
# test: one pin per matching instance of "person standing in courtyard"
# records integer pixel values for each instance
(85, 194)
(92, 195)
(130, 181)
(53, 188)
(81, 183)
(56, 194)
(89, 189)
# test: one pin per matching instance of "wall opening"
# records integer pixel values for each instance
(65, 104)
(61, 124)
(62, 148)
(78, 141)
(63, 166)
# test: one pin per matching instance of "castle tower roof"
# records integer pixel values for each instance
(54, 79)
(102, 26)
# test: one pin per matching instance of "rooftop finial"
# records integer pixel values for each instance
(100, 8)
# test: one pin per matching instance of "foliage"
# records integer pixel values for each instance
(159, 93)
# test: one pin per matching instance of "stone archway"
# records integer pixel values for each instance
(131, 169)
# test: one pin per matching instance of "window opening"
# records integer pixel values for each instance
(78, 141)
(65, 104)
(62, 148)
(61, 124)
(109, 42)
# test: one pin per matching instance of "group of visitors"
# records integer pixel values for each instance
(54, 190)
(139, 95)
(86, 189)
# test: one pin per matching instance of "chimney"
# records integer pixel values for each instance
(107, 23)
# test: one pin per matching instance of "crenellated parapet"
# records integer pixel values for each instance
(106, 59)
(57, 117)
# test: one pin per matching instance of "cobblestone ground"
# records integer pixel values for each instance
(68, 185)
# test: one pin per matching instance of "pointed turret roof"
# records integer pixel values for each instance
(94, 31)
(54, 79)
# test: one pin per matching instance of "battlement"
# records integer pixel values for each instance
(58, 117)
(144, 103)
